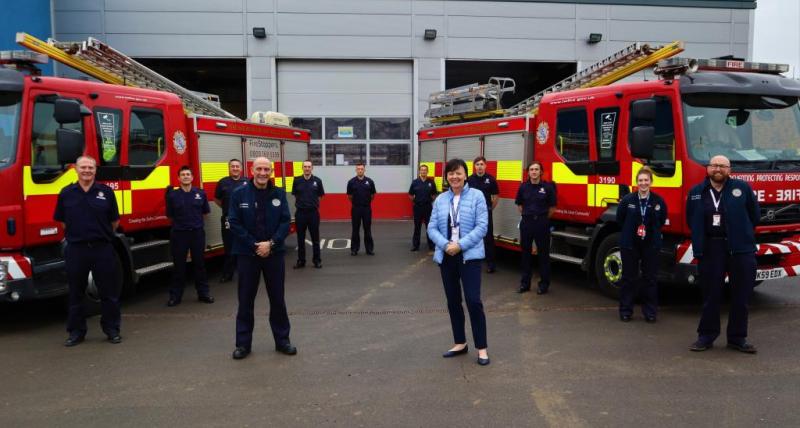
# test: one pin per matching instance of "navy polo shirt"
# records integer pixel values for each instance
(262, 199)
(87, 215)
(536, 199)
(423, 191)
(361, 191)
(225, 188)
(307, 192)
(486, 184)
(708, 213)
(186, 209)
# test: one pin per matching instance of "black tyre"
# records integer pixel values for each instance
(608, 266)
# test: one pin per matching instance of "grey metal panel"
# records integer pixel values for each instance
(375, 46)
(84, 5)
(78, 22)
(259, 67)
(358, 105)
(431, 151)
(354, 25)
(177, 45)
(345, 6)
(505, 218)
(655, 13)
(429, 69)
(261, 89)
(295, 152)
(266, 20)
(174, 23)
(586, 11)
(421, 7)
(260, 5)
(490, 8)
(510, 28)
(523, 49)
(388, 179)
(174, 5)
(741, 33)
(504, 146)
(218, 149)
(706, 32)
(465, 148)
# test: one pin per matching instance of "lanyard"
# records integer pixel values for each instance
(454, 213)
(715, 200)
(643, 208)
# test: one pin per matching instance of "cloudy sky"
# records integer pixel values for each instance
(776, 36)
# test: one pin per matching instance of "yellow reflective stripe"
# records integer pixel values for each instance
(297, 168)
(672, 182)
(509, 170)
(563, 175)
(600, 195)
(439, 182)
(289, 183)
(212, 172)
(29, 188)
(469, 168)
(278, 181)
(158, 179)
(124, 201)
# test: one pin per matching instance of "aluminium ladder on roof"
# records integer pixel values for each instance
(617, 66)
(108, 65)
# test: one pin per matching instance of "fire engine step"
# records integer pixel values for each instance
(153, 268)
(566, 258)
(149, 244)
(571, 235)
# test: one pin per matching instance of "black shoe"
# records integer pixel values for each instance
(173, 302)
(73, 340)
(745, 347)
(541, 291)
(226, 278)
(353, 253)
(114, 338)
(318, 265)
(700, 346)
(415, 249)
(523, 289)
(651, 320)
(483, 361)
(206, 299)
(240, 353)
(451, 354)
(370, 253)
(299, 265)
(491, 270)
(287, 349)
(625, 318)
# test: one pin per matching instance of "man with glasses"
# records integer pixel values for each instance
(722, 213)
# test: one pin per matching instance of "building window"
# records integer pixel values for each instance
(572, 134)
(313, 124)
(389, 154)
(390, 128)
(146, 142)
(606, 122)
(108, 122)
(315, 154)
(44, 156)
(345, 154)
(346, 128)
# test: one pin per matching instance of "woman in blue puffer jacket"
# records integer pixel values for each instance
(457, 226)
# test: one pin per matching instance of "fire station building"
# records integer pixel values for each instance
(357, 73)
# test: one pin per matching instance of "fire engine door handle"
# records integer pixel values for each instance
(221, 125)
(502, 125)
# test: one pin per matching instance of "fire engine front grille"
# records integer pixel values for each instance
(780, 213)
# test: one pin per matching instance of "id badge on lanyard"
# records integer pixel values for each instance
(454, 221)
(716, 218)
(641, 231)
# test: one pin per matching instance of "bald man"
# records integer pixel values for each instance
(722, 213)
(259, 219)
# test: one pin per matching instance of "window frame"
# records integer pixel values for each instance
(165, 148)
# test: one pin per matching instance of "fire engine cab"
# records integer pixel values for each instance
(593, 137)
(140, 138)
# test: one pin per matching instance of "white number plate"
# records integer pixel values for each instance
(773, 273)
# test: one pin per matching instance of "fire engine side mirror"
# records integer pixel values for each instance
(642, 140)
(67, 111)
(644, 110)
(69, 145)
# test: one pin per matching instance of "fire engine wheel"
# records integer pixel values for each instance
(608, 266)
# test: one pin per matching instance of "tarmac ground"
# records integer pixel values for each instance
(370, 331)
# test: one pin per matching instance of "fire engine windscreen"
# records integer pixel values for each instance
(753, 131)
(10, 103)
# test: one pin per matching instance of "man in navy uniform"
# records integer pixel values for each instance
(361, 191)
(487, 184)
(186, 206)
(307, 190)
(259, 217)
(222, 197)
(722, 213)
(536, 202)
(89, 215)
(422, 193)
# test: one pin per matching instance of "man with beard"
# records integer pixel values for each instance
(722, 213)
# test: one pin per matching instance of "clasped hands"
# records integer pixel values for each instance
(263, 248)
(452, 248)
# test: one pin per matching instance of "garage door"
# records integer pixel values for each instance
(357, 111)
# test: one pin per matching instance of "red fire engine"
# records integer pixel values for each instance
(592, 141)
(140, 137)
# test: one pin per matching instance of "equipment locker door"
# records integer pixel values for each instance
(506, 159)
(215, 151)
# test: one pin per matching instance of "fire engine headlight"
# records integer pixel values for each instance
(3, 276)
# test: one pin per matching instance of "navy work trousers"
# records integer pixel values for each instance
(193, 241)
(100, 259)
(229, 264)
(422, 214)
(457, 274)
(307, 219)
(535, 229)
(251, 269)
(639, 271)
(359, 216)
(741, 269)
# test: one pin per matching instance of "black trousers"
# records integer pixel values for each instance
(741, 269)
(422, 214)
(251, 269)
(488, 243)
(457, 274)
(100, 259)
(535, 229)
(193, 241)
(229, 264)
(307, 219)
(359, 216)
(639, 272)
